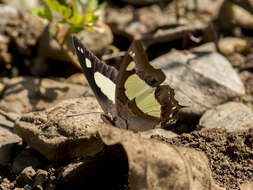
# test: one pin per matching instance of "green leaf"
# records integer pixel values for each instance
(36, 11)
(62, 9)
(90, 17)
(76, 29)
(48, 14)
(65, 12)
(44, 13)
(92, 5)
(76, 20)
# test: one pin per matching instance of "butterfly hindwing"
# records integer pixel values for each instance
(101, 77)
(139, 93)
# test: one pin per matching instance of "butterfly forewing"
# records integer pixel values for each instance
(101, 77)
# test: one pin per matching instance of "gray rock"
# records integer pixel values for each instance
(7, 140)
(25, 159)
(151, 24)
(24, 94)
(201, 81)
(65, 131)
(23, 28)
(230, 116)
(160, 132)
(24, 5)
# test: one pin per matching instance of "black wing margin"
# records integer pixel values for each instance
(96, 66)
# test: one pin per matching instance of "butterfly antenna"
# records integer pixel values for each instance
(79, 114)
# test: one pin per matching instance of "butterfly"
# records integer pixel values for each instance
(131, 96)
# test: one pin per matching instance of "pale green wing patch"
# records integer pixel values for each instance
(131, 66)
(143, 94)
(134, 86)
(106, 85)
(88, 63)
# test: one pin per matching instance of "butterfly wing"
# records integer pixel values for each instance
(140, 99)
(101, 77)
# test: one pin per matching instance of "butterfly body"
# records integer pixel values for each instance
(132, 95)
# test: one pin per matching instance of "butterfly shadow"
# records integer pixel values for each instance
(33, 88)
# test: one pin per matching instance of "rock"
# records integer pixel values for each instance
(201, 81)
(27, 175)
(5, 184)
(237, 60)
(209, 6)
(78, 78)
(231, 16)
(74, 173)
(5, 122)
(7, 141)
(25, 159)
(24, 94)
(246, 186)
(246, 4)
(40, 67)
(5, 56)
(207, 47)
(40, 178)
(27, 187)
(230, 45)
(95, 41)
(127, 154)
(21, 28)
(160, 132)
(23, 5)
(168, 166)
(65, 131)
(230, 116)
(150, 24)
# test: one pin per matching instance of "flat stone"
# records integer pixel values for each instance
(230, 116)
(65, 131)
(25, 94)
(201, 80)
